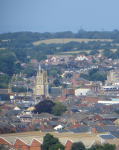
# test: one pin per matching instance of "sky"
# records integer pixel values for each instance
(58, 15)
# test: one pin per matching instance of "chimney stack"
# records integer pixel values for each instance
(95, 130)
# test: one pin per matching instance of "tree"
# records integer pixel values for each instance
(44, 106)
(92, 71)
(58, 109)
(106, 146)
(53, 73)
(64, 86)
(78, 146)
(36, 129)
(85, 76)
(51, 143)
(55, 108)
(4, 81)
(69, 75)
(29, 71)
(56, 82)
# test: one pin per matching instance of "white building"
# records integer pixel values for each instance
(79, 92)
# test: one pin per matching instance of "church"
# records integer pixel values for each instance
(41, 88)
(41, 84)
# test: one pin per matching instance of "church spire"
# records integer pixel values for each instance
(39, 67)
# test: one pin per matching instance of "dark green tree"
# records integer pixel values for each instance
(51, 143)
(105, 146)
(108, 146)
(85, 76)
(44, 106)
(36, 129)
(78, 146)
(64, 86)
(4, 80)
(96, 147)
(56, 82)
(29, 71)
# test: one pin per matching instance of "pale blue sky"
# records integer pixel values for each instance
(58, 15)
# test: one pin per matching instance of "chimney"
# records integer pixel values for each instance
(95, 130)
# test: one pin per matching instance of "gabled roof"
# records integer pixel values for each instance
(49, 130)
(44, 127)
(79, 79)
(62, 130)
(107, 136)
(13, 112)
(44, 115)
(75, 130)
(115, 133)
(72, 126)
(109, 116)
(111, 128)
(55, 91)
(85, 129)
(98, 128)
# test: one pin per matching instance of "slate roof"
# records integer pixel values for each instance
(115, 133)
(85, 129)
(107, 122)
(73, 117)
(80, 79)
(15, 119)
(107, 136)
(111, 128)
(13, 112)
(97, 105)
(98, 128)
(44, 115)
(109, 116)
(49, 130)
(75, 130)
(62, 130)
(54, 92)
(26, 116)
(53, 123)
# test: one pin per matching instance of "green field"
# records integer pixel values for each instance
(67, 40)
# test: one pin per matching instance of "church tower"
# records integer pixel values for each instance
(41, 84)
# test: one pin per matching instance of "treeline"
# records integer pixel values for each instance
(26, 39)
(34, 36)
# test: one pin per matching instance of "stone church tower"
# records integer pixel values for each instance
(41, 84)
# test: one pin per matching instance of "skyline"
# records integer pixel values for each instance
(57, 16)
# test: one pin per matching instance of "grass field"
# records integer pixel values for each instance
(66, 40)
(70, 53)
(74, 52)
